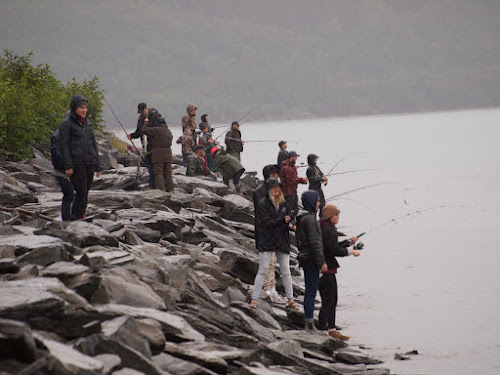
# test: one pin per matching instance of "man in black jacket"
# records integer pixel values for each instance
(310, 255)
(316, 179)
(328, 282)
(146, 115)
(283, 154)
(79, 153)
(269, 287)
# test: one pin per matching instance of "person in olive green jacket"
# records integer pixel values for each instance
(231, 167)
(197, 164)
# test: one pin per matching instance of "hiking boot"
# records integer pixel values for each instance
(238, 189)
(338, 335)
(310, 327)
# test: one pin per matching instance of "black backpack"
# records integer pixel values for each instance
(55, 152)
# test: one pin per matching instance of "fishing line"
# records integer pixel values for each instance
(245, 115)
(358, 189)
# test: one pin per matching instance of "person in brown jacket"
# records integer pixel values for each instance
(161, 138)
(188, 144)
(233, 141)
(189, 120)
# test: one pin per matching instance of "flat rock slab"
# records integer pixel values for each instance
(319, 342)
(26, 243)
(63, 270)
(178, 366)
(191, 183)
(354, 358)
(71, 359)
(174, 327)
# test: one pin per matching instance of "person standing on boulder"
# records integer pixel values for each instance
(233, 141)
(144, 113)
(290, 180)
(161, 139)
(231, 167)
(328, 282)
(269, 287)
(63, 180)
(273, 228)
(283, 154)
(80, 157)
(316, 179)
(310, 245)
(189, 121)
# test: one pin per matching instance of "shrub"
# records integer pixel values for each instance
(33, 101)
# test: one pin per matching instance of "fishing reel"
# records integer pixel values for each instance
(359, 246)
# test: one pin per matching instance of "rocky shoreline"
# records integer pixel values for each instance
(150, 283)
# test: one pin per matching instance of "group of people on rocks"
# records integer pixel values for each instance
(276, 203)
(276, 215)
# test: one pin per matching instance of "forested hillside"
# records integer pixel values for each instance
(298, 58)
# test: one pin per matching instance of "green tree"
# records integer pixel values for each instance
(33, 101)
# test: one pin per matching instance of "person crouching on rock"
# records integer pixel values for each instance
(197, 164)
(231, 167)
(161, 139)
(79, 153)
(310, 256)
(328, 282)
(273, 227)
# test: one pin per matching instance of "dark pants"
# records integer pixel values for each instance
(329, 297)
(311, 276)
(292, 204)
(322, 201)
(185, 160)
(68, 196)
(163, 176)
(82, 178)
(236, 178)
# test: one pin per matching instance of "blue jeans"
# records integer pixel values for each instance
(311, 276)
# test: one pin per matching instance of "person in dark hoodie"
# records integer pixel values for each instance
(161, 139)
(269, 287)
(63, 180)
(79, 154)
(204, 121)
(310, 256)
(273, 226)
(316, 179)
(328, 282)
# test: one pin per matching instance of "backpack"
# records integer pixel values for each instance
(55, 152)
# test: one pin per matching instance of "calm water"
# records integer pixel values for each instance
(429, 282)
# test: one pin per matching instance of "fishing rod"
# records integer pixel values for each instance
(245, 115)
(341, 160)
(358, 189)
(411, 214)
(113, 112)
(346, 172)
(255, 140)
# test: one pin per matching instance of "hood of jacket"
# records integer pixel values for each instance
(190, 108)
(204, 117)
(310, 159)
(74, 102)
(309, 200)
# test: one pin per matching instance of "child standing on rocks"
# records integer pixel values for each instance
(328, 282)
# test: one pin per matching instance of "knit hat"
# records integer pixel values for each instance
(329, 211)
(214, 151)
(141, 107)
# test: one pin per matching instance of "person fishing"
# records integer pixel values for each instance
(328, 288)
(316, 179)
(311, 259)
(234, 144)
(161, 139)
(188, 142)
(283, 153)
(231, 167)
(198, 166)
(143, 111)
(290, 180)
(80, 157)
(204, 121)
(269, 286)
(273, 227)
